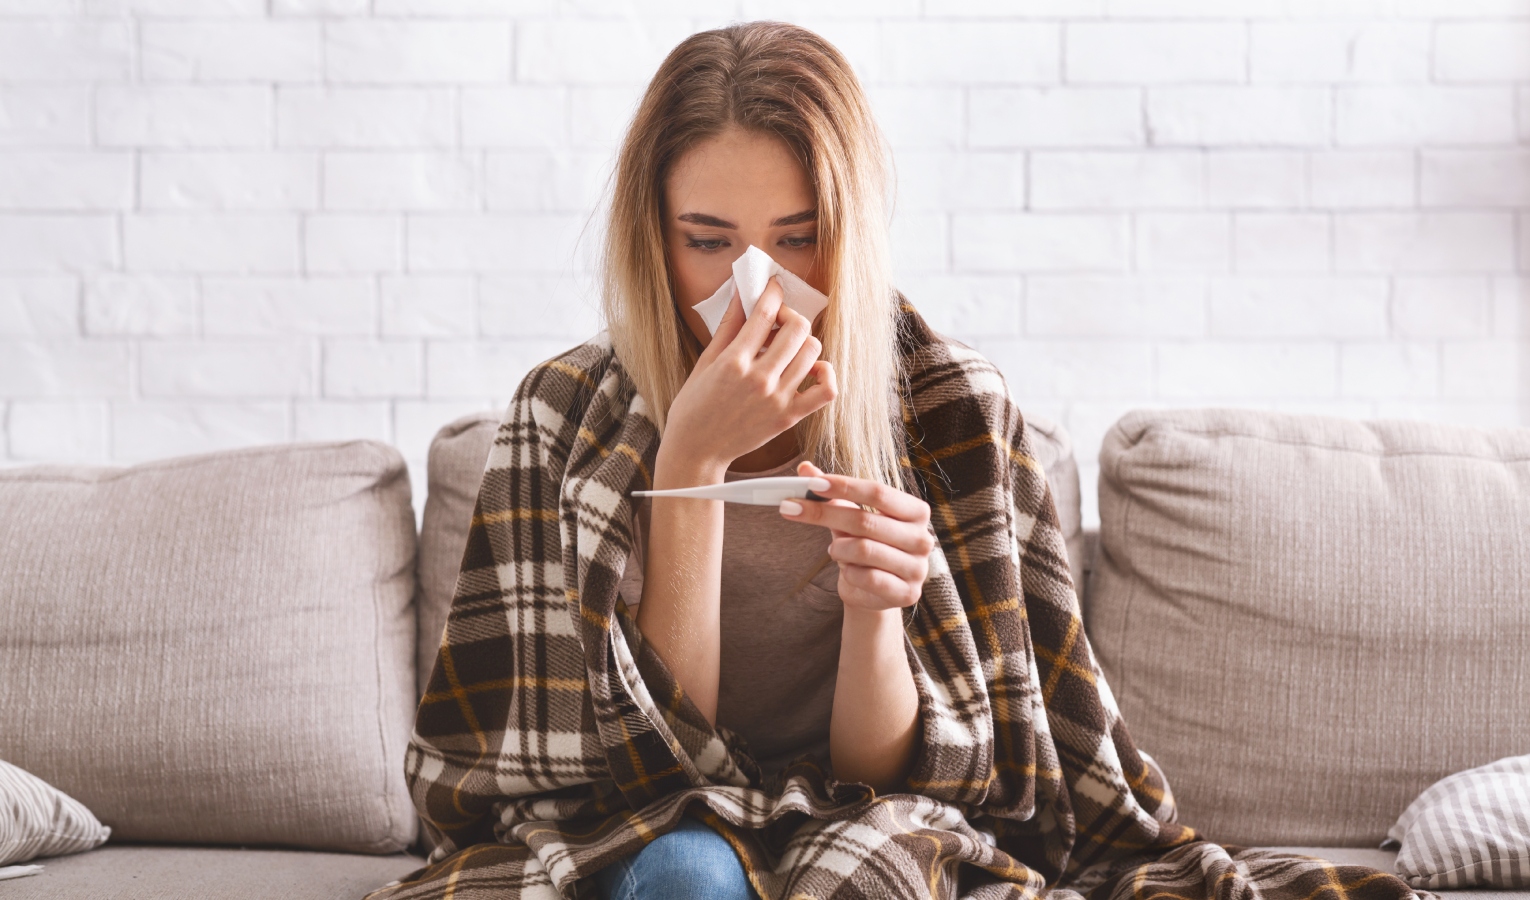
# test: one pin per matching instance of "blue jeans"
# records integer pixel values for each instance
(692, 862)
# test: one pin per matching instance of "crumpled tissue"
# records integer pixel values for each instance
(751, 272)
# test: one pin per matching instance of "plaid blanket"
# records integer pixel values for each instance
(554, 741)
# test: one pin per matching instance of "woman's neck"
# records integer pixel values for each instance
(774, 452)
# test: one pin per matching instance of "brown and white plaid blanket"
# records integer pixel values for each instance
(554, 741)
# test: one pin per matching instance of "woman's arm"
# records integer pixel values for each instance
(875, 721)
(740, 394)
(883, 558)
(679, 612)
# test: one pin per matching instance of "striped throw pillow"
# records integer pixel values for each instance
(1471, 828)
(37, 819)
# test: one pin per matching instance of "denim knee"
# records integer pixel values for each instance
(691, 862)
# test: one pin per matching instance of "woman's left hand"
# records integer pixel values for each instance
(884, 555)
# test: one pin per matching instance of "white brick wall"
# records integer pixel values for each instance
(235, 221)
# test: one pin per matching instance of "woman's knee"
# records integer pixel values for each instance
(690, 862)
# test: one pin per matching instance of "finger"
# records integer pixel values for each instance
(837, 533)
(751, 337)
(795, 365)
(794, 328)
(887, 500)
(728, 327)
(878, 588)
(807, 468)
(852, 595)
(877, 555)
(820, 394)
(909, 537)
(810, 468)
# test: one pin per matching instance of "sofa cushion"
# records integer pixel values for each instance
(37, 819)
(215, 648)
(1467, 829)
(197, 873)
(458, 454)
(460, 451)
(1309, 620)
(1054, 450)
(1386, 861)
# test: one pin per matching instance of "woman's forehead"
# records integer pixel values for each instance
(739, 175)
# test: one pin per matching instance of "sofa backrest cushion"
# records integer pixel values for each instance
(216, 648)
(1053, 447)
(1308, 620)
(458, 454)
(460, 451)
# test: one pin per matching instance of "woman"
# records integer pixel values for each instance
(918, 714)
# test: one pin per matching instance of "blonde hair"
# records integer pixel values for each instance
(784, 80)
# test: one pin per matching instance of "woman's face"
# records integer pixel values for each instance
(725, 193)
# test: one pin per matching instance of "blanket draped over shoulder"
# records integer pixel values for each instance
(554, 741)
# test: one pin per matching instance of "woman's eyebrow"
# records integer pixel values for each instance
(796, 218)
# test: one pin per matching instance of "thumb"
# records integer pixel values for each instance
(807, 468)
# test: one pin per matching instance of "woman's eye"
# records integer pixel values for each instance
(797, 243)
(704, 245)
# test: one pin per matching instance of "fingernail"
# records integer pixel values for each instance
(819, 485)
(791, 508)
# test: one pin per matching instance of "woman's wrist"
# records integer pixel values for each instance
(675, 468)
(861, 623)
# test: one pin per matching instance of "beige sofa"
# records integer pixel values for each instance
(1305, 621)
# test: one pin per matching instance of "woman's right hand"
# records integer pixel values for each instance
(737, 398)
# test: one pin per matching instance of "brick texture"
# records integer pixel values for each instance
(242, 221)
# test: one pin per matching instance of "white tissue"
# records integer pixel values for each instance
(751, 272)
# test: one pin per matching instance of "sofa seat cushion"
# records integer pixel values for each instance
(1308, 620)
(150, 872)
(216, 648)
(1386, 861)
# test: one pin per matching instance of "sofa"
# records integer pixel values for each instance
(1305, 621)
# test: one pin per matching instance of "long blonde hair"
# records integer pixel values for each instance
(784, 80)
